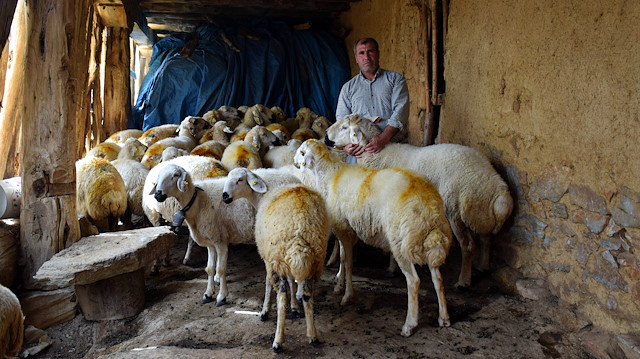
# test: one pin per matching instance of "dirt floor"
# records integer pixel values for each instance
(486, 323)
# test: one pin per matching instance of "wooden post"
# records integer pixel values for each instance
(57, 51)
(11, 111)
(117, 93)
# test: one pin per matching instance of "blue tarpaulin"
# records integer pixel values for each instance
(280, 67)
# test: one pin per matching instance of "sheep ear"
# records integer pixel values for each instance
(308, 159)
(153, 189)
(182, 181)
(256, 183)
(227, 129)
(255, 142)
(355, 135)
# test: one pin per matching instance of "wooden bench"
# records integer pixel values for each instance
(107, 270)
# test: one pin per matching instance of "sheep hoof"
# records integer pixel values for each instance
(206, 299)
(314, 342)
(277, 348)
(264, 317)
(407, 331)
(221, 302)
(444, 322)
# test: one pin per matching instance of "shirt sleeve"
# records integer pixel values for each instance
(344, 103)
(400, 103)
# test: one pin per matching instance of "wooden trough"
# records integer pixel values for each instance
(107, 270)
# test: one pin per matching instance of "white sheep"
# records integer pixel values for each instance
(211, 223)
(199, 167)
(320, 126)
(171, 153)
(217, 132)
(157, 133)
(291, 233)
(257, 114)
(101, 195)
(11, 324)
(133, 174)
(279, 156)
(280, 131)
(190, 131)
(394, 209)
(476, 198)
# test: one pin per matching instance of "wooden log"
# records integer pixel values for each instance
(11, 112)
(57, 50)
(7, 8)
(117, 93)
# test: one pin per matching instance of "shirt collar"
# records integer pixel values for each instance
(378, 73)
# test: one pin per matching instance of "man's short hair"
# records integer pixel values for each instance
(365, 40)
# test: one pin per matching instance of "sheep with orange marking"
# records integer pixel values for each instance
(393, 209)
(133, 174)
(190, 131)
(291, 233)
(121, 137)
(241, 154)
(211, 223)
(476, 198)
(157, 133)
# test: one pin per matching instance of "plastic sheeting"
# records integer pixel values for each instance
(280, 67)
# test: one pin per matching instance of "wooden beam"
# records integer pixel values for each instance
(117, 93)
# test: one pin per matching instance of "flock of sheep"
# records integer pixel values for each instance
(407, 200)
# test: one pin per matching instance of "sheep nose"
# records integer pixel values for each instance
(277, 142)
(159, 196)
(328, 142)
(226, 198)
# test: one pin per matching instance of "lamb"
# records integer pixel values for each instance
(278, 114)
(189, 133)
(172, 152)
(291, 233)
(121, 137)
(476, 198)
(305, 118)
(199, 167)
(133, 174)
(257, 115)
(394, 209)
(217, 132)
(280, 131)
(101, 194)
(157, 133)
(11, 324)
(211, 223)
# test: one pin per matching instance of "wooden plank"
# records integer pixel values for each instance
(7, 8)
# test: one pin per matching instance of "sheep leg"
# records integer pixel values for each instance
(211, 258)
(334, 252)
(282, 312)
(485, 249)
(187, 254)
(443, 314)
(266, 305)
(307, 300)
(413, 285)
(466, 247)
(221, 272)
(346, 262)
(393, 265)
(295, 297)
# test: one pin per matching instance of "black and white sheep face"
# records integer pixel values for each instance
(171, 179)
(240, 183)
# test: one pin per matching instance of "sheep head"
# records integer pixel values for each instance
(241, 183)
(353, 129)
(172, 180)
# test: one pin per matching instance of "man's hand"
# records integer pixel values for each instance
(377, 143)
(353, 149)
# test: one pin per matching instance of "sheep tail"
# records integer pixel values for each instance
(502, 207)
(300, 259)
(431, 250)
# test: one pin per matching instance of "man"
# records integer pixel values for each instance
(375, 93)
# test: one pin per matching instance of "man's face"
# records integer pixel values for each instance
(367, 57)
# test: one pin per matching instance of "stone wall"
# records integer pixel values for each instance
(549, 91)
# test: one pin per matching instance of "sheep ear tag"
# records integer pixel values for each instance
(355, 135)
